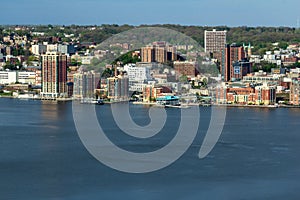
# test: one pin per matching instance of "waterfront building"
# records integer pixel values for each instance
(245, 94)
(295, 92)
(38, 77)
(151, 92)
(240, 95)
(85, 84)
(118, 88)
(26, 77)
(70, 80)
(265, 95)
(8, 77)
(168, 100)
(54, 75)
(38, 74)
(23, 77)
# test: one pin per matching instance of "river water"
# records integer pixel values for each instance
(42, 157)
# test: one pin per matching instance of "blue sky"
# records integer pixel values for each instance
(135, 12)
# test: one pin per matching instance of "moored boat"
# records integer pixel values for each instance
(100, 102)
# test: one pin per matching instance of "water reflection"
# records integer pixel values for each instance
(53, 110)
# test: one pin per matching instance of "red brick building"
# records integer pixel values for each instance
(245, 94)
(185, 68)
(151, 92)
(227, 57)
(54, 75)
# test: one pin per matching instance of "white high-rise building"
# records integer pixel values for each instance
(61, 48)
(38, 49)
(137, 76)
(214, 41)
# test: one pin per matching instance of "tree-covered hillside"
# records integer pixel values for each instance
(259, 37)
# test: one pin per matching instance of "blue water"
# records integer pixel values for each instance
(42, 157)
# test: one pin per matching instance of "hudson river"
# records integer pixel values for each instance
(42, 157)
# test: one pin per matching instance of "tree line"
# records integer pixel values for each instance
(259, 37)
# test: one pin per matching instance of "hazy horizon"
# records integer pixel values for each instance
(209, 26)
(231, 13)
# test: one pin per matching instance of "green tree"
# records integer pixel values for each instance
(74, 62)
(183, 79)
(295, 65)
(283, 45)
(265, 66)
(107, 73)
(127, 58)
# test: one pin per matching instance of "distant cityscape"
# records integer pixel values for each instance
(50, 67)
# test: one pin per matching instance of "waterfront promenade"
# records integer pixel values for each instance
(154, 103)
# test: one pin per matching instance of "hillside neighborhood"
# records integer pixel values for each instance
(59, 62)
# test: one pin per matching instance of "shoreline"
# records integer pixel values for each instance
(227, 105)
(143, 103)
(255, 106)
(153, 103)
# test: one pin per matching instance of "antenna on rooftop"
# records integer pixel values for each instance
(298, 22)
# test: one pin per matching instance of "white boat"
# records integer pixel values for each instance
(177, 106)
(169, 102)
(25, 96)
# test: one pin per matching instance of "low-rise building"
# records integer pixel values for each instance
(26, 77)
(8, 77)
(23, 77)
(245, 94)
(151, 92)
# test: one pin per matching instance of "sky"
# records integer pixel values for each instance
(135, 12)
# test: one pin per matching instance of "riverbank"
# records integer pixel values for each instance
(225, 105)
(8, 97)
(154, 103)
(37, 98)
(257, 106)
(143, 103)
